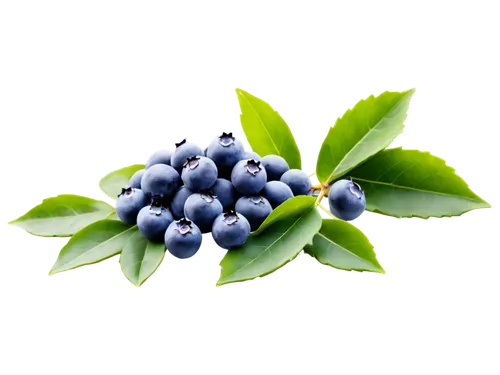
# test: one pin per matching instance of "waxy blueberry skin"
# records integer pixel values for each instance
(159, 157)
(252, 155)
(275, 167)
(183, 238)
(129, 203)
(225, 150)
(230, 230)
(135, 180)
(182, 152)
(199, 173)
(153, 222)
(298, 181)
(160, 180)
(202, 209)
(346, 199)
(255, 209)
(248, 177)
(178, 201)
(225, 192)
(276, 192)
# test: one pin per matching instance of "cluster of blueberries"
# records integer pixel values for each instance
(223, 189)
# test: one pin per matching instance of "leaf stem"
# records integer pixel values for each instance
(327, 211)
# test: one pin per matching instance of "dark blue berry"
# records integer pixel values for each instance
(275, 167)
(226, 150)
(178, 201)
(298, 181)
(276, 192)
(346, 199)
(248, 177)
(183, 151)
(256, 209)
(252, 155)
(225, 192)
(159, 157)
(199, 173)
(230, 230)
(153, 222)
(135, 180)
(183, 239)
(160, 180)
(202, 209)
(129, 203)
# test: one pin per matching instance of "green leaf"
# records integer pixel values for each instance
(62, 216)
(266, 131)
(341, 245)
(270, 250)
(140, 258)
(92, 244)
(408, 183)
(290, 208)
(363, 131)
(113, 183)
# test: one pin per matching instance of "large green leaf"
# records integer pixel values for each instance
(270, 250)
(341, 245)
(363, 131)
(266, 131)
(113, 183)
(62, 216)
(140, 258)
(290, 208)
(98, 241)
(407, 183)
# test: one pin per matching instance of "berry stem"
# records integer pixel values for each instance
(321, 195)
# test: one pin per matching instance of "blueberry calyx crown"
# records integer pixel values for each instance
(192, 162)
(231, 217)
(256, 199)
(177, 145)
(156, 205)
(353, 187)
(226, 139)
(207, 196)
(253, 167)
(184, 226)
(126, 192)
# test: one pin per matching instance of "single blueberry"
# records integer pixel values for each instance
(275, 167)
(153, 221)
(161, 180)
(183, 238)
(183, 151)
(129, 203)
(346, 199)
(135, 180)
(199, 173)
(248, 177)
(159, 157)
(276, 192)
(225, 150)
(178, 201)
(252, 155)
(224, 191)
(256, 209)
(230, 230)
(202, 209)
(298, 181)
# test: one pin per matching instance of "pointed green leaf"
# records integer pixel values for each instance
(140, 258)
(341, 245)
(113, 183)
(290, 208)
(62, 216)
(92, 244)
(266, 131)
(270, 250)
(363, 131)
(408, 183)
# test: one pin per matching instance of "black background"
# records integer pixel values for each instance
(85, 118)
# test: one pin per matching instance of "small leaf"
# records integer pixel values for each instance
(113, 182)
(92, 244)
(363, 131)
(290, 208)
(410, 183)
(62, 216)
(270, 250)
(266, 131)
(140, 258)
(341, 245)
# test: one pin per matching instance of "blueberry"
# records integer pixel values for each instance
(347, 200)
(226, 150)
(298, 181)
(178, 201)
(183, 151)
(129, 203)
(275, 167)
(183, 238)
(202, 209)
(224, 191)
(153, 221)
(159, 157)
(199, 173)
(230, 230)
(248, 177)
(161, 180)
(256, 209)
(135, 180)
(252, 155)
(276, 192)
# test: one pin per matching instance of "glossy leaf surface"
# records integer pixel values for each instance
(92, 244)
(63, 216)
(266, 131)
(341, 245)
(363, 131)
(410, 183)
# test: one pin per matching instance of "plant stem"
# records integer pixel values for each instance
(328, 212)
(321, 195)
